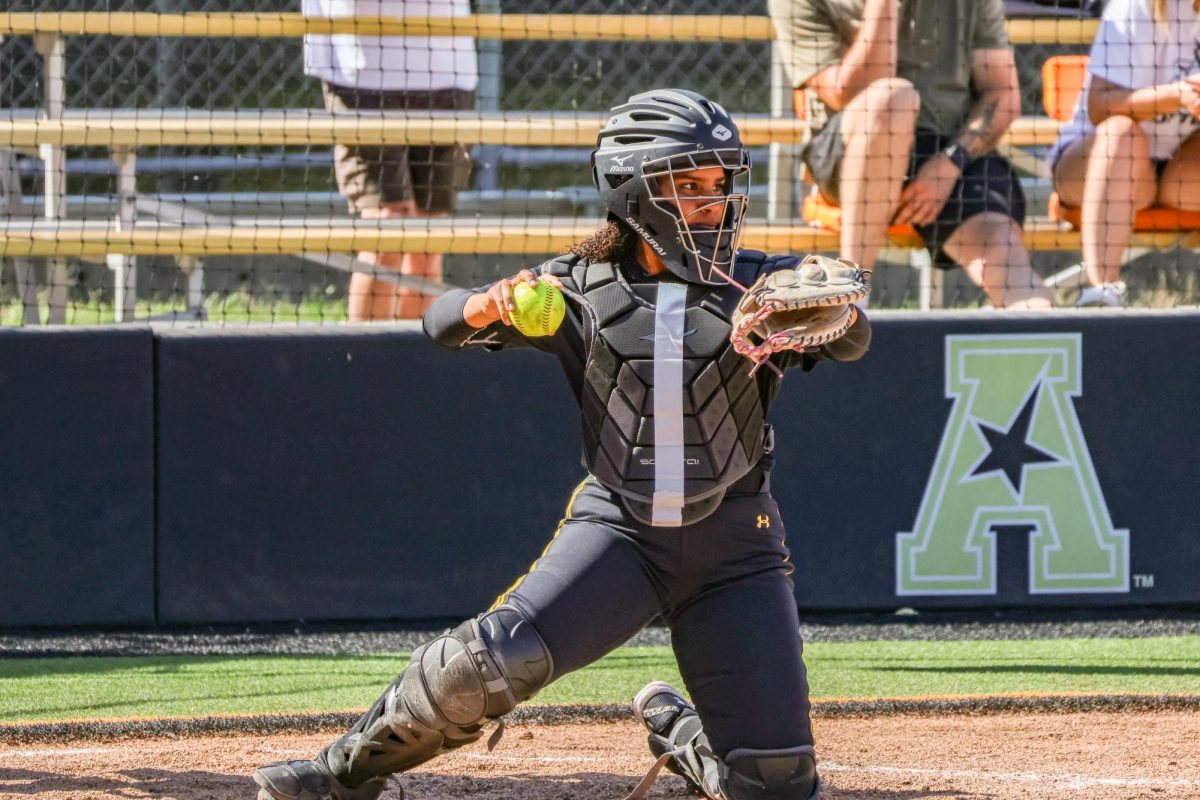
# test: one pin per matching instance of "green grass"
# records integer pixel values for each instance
(106, 688)
(232, 308)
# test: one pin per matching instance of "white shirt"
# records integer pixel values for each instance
(391, 63)
(1134, 51)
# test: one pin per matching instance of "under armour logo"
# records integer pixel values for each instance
(763, 521)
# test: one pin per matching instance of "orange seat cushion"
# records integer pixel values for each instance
(1148, 220)
(826, 215)
(1062, 81)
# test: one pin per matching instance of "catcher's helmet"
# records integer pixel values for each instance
(656, 135)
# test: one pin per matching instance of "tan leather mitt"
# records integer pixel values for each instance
(793, 309)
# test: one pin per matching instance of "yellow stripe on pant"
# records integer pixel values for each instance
(570, 504)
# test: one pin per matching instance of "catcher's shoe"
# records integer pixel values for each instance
(673, 726)
(312, 780)
(659, 706)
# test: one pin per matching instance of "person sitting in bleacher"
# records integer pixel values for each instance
(1133, 141)
(910, 101)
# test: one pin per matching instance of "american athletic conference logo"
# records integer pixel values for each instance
(1012, 454)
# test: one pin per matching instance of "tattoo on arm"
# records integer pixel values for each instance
(980, 134)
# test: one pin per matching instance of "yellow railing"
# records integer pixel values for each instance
(604, 27)
(519, 236)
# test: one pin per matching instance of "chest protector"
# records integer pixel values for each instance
(670, 457)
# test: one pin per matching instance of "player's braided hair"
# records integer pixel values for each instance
(610, 243)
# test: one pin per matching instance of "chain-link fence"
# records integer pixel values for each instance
(220, 183)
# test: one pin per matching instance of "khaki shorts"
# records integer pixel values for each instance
(370, 176)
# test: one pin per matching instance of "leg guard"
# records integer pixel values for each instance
(789, 774)
(744, 774)
(311, 780)
(453, 685)
(684, 751)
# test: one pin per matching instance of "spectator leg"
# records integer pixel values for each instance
(989, 246)
(411, 303)
(370, 298)
(1109, 175)
(1180, 184)
(878, 127)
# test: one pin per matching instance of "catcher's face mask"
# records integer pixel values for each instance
(704, 195)
(651, 140)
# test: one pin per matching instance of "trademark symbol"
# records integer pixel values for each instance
(1143, 581)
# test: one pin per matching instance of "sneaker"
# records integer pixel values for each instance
(311, 780)
(1106, 295)
(659, 706)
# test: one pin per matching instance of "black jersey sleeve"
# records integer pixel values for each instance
(851, 346)
(444, 323)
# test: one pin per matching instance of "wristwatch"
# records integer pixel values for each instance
(959, 155)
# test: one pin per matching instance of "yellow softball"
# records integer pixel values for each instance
(538, 311)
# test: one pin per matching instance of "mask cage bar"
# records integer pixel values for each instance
(735, 161)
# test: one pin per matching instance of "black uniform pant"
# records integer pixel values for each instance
(723, 586)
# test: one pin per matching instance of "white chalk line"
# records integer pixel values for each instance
(1064, 780)
(533, 759)
(76, 751)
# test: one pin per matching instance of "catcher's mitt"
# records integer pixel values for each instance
(792, 309)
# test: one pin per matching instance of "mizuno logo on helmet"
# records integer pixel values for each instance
(620, 165)
(658, 248)
(722, 133)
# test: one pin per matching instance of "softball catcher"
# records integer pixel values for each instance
(663, 347)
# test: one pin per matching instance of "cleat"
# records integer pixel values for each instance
(659, 706)
(311, 780)
(673, 724)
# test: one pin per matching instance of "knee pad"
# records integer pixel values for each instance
(523, 656)
(478, 671)
(789, 774)
(451, 687)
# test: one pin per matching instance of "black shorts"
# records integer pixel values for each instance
(988, 183)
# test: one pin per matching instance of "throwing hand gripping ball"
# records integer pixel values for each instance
(538, 311)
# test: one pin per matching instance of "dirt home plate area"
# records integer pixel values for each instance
(897, 757)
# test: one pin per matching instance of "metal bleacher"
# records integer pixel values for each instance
(149, 225)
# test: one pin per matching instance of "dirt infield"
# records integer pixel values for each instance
(902, 757)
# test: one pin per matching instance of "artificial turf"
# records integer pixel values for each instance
(189, 686)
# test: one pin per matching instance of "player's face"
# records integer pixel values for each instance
(698, 193)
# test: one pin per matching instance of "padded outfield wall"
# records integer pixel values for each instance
(195, 476)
